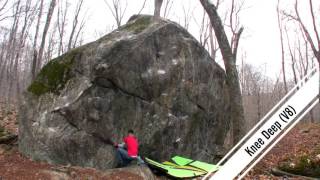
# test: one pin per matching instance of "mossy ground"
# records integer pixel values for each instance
(305, 165)
(305, 160)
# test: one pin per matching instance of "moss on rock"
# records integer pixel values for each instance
(54, 75)
(138, 25)
(38, 88)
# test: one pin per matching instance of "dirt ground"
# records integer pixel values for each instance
(301, 140)
(15, 166)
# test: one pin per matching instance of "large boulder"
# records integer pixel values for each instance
(151, 76)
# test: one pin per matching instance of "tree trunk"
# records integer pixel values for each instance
(237, 113)
(282, 49)
(20, 50)
(35, 40)
(44, 35)
(157, 8)
(75, 24)
(11, 50)
(61, 22)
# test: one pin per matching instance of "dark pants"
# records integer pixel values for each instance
(123, 157)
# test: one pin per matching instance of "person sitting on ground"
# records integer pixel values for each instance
(128, 150)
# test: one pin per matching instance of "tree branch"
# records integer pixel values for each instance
(236, 42)
(314, 25)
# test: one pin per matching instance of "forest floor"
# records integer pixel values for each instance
(302, 141)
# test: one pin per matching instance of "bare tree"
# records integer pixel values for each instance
(207, 38)
(282, 48)
(187, 15)
(10, 52)
(314, 44)
(4, 15)
(27, 22)
(234, 27)
(75, 23)
(214, 47)
(142, 7)
(79, 32)
(300, 60)
(61, 24)
(3, 5)
(35, 41)
(203, 29)
(13, 45)
(117, 10)
(167, 8)
(229, 52)
(157, 8)
(308, 31)
(292, 54)
(254, 91)
(21, 51)
(44, 34)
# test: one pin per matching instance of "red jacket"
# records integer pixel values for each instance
(132, 145)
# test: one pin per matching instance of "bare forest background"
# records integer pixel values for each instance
(32, 32)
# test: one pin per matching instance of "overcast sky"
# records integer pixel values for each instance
(260, 41)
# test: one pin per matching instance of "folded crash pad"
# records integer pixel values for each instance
(173, 171)
(182, 161)
(183, 167)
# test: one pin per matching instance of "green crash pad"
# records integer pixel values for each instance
(174, 171)
(182, 161)
(183, 167)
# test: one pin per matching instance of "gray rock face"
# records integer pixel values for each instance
(153, 77)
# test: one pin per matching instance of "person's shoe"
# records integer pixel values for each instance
(140, 161)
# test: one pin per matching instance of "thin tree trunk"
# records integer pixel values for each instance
(259, 113)
(11, 50)
(282, 49)
(167, 8)
(35, 51)
(3, 64)
(237, 112)
(1, 57)
(213, 48)
(62, 14)
(21, 45)
(157, 8)
(75, 24)
(78, 34)
(44, 34)
(143, 6)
